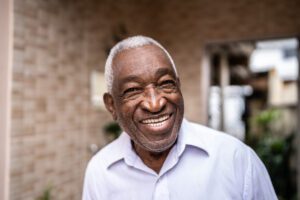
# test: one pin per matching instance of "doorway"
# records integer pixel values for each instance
(254, 95)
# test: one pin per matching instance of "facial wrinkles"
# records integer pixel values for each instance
(145, 66)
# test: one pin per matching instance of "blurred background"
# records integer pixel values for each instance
(237, 61)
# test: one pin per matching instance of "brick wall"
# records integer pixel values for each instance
(59, 42)
(53, 121)
(56, 46)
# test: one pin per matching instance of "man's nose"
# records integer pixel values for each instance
(153, 101)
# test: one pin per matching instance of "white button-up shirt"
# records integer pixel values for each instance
(204, 164)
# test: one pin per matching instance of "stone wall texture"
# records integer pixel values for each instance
(58, 43)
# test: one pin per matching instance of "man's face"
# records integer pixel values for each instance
(146, 97)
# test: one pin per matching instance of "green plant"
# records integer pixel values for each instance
(112, 129)
(46, 194)
(275, 151)
(265, 120)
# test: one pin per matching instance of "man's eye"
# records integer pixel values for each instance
(168, 84)
(131, 91)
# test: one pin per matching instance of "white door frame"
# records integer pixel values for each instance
(6, 41)
(298, 132)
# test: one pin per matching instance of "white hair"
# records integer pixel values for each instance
(129, 43)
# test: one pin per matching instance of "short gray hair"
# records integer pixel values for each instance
(129, 43)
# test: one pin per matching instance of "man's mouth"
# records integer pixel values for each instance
(156, 122)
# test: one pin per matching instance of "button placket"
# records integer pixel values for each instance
(161, 189)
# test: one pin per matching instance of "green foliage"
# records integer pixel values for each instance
(265, 119)
(275, 151)
(112, 129)
(46, 194)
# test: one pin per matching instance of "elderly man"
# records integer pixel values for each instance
(160, 155)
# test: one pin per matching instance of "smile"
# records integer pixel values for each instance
(156, 122)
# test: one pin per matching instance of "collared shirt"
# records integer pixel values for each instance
(203, 164)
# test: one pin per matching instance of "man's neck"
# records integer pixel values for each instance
(153, 160)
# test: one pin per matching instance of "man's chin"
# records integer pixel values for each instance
(159, 147)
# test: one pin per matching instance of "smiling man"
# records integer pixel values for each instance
(160, 155)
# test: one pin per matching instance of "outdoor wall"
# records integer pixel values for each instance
(51, 116)
(59, 42)
(57, 46)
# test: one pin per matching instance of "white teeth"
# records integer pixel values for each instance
(156, 122)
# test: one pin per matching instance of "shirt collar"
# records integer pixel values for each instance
(121, 149)
(190, 134)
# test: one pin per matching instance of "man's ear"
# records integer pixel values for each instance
(109, 104)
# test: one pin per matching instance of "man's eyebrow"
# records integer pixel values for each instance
(160, 72)
(130, 78)
(164, 71)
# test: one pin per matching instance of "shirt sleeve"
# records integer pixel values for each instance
(257, 185)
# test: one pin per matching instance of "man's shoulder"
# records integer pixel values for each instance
(209, 133)
(108, 154)
(98, 169)
(213, 139)
(220, 146)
